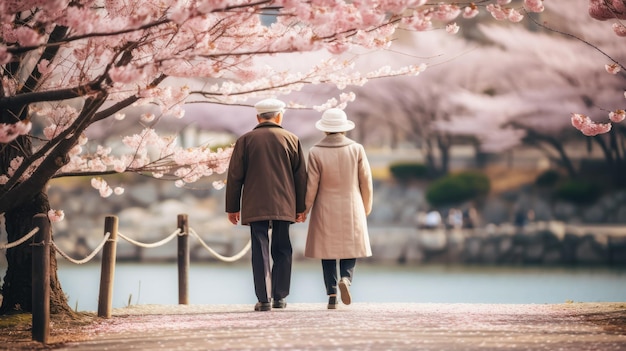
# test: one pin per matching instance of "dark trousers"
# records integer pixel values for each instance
(329, 268)
(271, 281)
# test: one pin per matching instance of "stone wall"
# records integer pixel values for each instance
(542, 243)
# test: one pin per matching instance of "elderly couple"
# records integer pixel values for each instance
(269, 186)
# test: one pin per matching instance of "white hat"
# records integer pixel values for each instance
(334, 120)
(269, 105)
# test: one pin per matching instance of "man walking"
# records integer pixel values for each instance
(266, 188)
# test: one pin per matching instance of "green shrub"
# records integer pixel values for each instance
(579, 192)
(408, 171)
(457, 188)
(548, 178)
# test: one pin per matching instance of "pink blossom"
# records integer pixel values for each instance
(619, 29)
(106, 191)
(612, 68)
(76, 150)
(497, 12)
(617, 116)
(119, 166)
(44, 67)
(27, 37)
(446, 12)
(470, 11)
(101, 185)
(534, 5)
(418, 22)
(219, 184)
(80, 19)
(587, 126)
(51, 131)
(14, 165)
(8, 132)
(347, 97)
(118, 190)
(452, 28)
(180, 15)
(515, 16)
(606, 9)
(337, 48)
(124, 74)
(148, 117)
(56, 215)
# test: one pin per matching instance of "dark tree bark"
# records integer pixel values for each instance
(17, 286)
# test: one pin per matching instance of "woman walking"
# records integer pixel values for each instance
(339, 198)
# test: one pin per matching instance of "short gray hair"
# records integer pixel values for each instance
(269, 115)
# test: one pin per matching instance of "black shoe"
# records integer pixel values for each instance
(332, 302)
(280, 303)
(344, 285)
(263, 306)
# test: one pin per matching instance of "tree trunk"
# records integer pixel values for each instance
(17, 287)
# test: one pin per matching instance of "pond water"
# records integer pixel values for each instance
(216, 283)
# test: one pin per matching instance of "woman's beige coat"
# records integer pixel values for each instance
(338, 199)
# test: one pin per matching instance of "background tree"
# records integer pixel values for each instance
(550, 75)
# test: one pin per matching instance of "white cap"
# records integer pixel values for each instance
(269, 105)
(334, 120)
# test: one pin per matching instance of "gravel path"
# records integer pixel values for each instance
(360, 326)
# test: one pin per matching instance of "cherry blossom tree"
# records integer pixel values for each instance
(68, 64)
(554, 72)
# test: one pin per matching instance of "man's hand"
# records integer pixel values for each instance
(234, 217)
(300, 217)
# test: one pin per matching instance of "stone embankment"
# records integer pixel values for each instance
(550, 243)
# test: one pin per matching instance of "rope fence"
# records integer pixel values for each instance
(20, 240)
(42, 242)
(86, 259)
(151, 245)
(217, 255)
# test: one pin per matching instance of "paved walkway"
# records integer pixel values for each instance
(572, 326)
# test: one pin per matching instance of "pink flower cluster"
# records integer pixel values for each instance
(589, 127)
(504, 13)
(607, 9)
(10, 131)
(56, 215)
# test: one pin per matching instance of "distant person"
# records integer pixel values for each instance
(433, 219)
(339, 198)
(470, 218)
(523, 218)
(266, 188)
(455, 219)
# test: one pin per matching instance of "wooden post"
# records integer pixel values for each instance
(41, 278)
(107, 272)
(183, 260)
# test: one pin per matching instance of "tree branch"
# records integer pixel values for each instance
(24, 99)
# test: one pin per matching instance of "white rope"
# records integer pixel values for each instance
(217, 255)
(158, 243)
(20, 240)
(86, 259)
